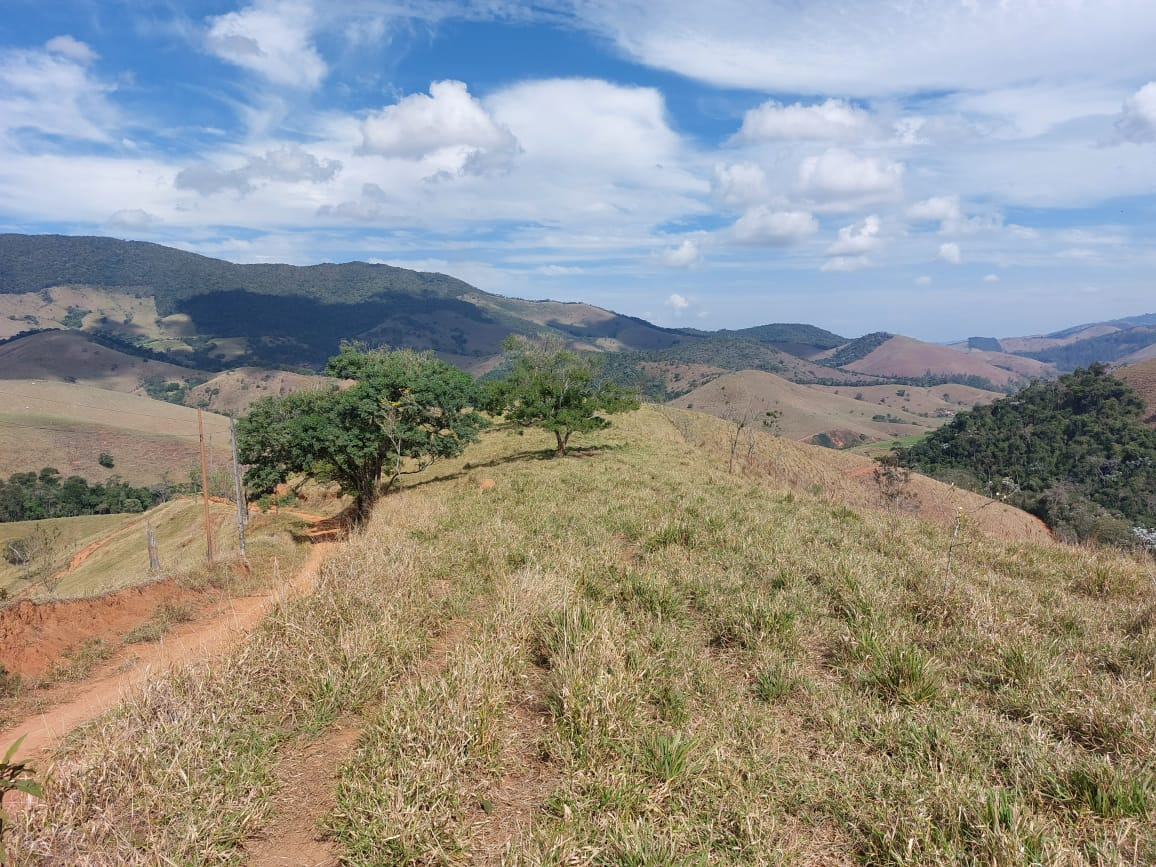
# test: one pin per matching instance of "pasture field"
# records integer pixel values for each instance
(633, 656)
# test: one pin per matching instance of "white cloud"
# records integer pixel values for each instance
(938, 208)
(762, 226)
(684, 255)
(833, 120)
(272, 38)
(739, 184)
(288, 164)
(950, 253)
(841, 178)
(132, 218)
(1137, 121)
(448, 124)
(678, 302)
(54, 94)
(71, 48)
(990, 278)
(560, 270)
(922, 280)
(858, 238)
(581, 122)
(858, 48)
(846, 263)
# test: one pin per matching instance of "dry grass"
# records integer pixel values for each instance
(699, 667)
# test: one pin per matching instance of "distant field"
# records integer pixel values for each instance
(811, 410)
(67, 426)
(883, 447)
(71, 356)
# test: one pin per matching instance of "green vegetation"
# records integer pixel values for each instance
(1072, 452)
(33, 496)
(1106, 348)
(14, 777)
(638, 658)
(987, 344)
(554, 389)
(404, 411)
(857, 349)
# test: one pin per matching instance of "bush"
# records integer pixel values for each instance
(106, 460)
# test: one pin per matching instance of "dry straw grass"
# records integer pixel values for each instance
(701, 668)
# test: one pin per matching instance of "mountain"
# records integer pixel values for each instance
(1118, 341)
(217, 314)
(888, 355)
(1142, 378)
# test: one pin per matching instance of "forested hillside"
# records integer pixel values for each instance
(1073, 451)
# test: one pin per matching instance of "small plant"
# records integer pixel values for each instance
(667, 757)
(14, 777)
(893, 481)
(106, 460)
(775, 683)
(905, 675)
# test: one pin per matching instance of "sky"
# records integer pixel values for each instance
(935, 168)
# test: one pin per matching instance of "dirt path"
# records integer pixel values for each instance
(189, 643)
(307, 780)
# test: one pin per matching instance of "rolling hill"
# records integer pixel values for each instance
(67, 426)
(1142, 377)
(904, 357)
(225, 313)
(834, 416)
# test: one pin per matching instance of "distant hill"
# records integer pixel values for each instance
(836, 417)
(67, 426)
(887, 355)
(284, 315)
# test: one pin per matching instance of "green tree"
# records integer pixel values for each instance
(403, 411)
(555, 389)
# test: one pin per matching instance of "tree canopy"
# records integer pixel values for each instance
(1073, 451)
(403, 411)
(555, 389)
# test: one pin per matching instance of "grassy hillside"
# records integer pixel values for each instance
(67, 426)
(632, 657)
(810, 410)
(1142, 377)
(100, 553)
(71, 356)
(904, 357)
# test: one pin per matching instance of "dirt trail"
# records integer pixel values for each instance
(189, 643)
(308, 780)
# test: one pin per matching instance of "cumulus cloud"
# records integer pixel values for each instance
(922, 280)
(950, 253)
(132, 218)
(573, 122)
(288, 164)
(739, 184)
(846, 263)
(54, 93)
(833, 120)
(990, 278)
(272, 38)
(678, 302)
(448, 122)
(858, 238)
(1137, 121)
(71, 48)
(936, 209)
(765, 227)
(684, 255)
(841, 178)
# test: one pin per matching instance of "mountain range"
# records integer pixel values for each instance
(143, 317)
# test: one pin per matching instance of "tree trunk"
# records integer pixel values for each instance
(563, 443)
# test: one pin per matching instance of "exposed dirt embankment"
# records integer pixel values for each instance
(34, 635)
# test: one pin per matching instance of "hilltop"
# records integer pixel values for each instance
(634, 656)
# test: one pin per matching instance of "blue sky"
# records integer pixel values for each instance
(930, 167)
